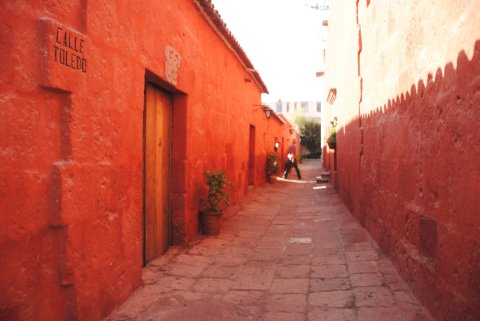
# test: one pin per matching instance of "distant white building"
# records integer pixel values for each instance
(308, 109)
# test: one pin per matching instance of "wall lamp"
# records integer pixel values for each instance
(267, 110)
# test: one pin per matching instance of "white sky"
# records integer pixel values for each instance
(284, 41)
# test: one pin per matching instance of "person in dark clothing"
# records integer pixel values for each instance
(292, 160)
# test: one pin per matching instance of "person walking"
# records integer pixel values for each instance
(292, 160)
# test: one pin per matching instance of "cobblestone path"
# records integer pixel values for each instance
(289, 251)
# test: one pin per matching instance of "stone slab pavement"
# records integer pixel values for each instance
(289, 251)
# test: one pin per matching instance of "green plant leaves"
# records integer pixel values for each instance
(217, 197)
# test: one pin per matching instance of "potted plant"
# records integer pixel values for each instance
(212, 206)
(272, 166)
(332, 138)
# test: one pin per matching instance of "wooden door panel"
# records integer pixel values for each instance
(158, 114)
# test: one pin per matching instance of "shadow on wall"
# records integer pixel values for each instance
(414, 181)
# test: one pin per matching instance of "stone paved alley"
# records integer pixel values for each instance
(289, 251)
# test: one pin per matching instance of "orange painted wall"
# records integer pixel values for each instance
(408, 146)
(72, 145)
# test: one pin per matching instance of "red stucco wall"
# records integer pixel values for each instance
(72, 144)
(407, 79)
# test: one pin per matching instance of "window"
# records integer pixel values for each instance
(288, 107)
(279, 107)
(304, 106)
(319, 107)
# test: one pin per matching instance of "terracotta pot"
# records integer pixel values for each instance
(272, 179)
(210, 222)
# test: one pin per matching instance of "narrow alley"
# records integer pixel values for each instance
(288, 251)
(122, 122)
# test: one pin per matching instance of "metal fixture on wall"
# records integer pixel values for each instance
(267, 110)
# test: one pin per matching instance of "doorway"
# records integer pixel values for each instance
(282, 157)
(251, 156)
(157, 151)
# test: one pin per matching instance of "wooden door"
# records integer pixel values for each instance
(251, 156)
(157, 131)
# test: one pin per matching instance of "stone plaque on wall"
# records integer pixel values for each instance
(172, 64)
(64, 62)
